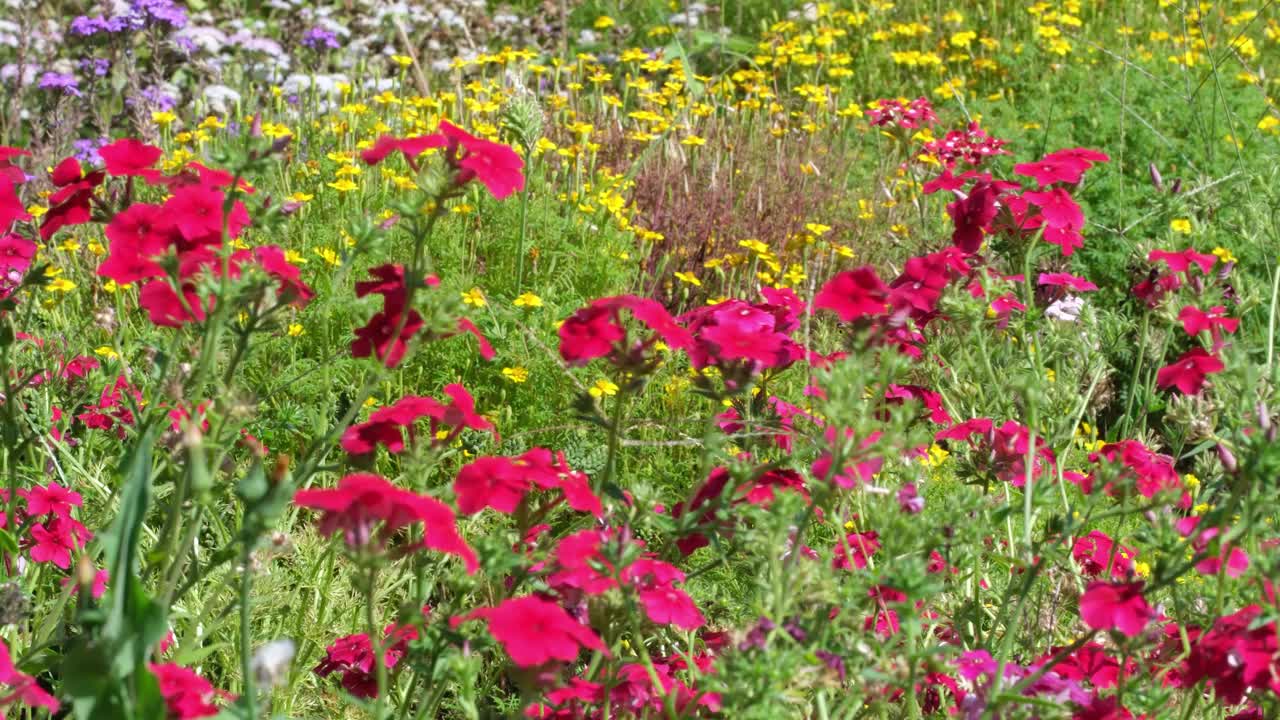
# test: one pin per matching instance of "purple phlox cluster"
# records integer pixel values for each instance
(86, 150)
(979, 669)
(154, 97)
(66, 82)
(98, 67)
(141, 14)
(319, 38)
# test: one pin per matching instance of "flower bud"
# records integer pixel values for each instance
(1227, 459)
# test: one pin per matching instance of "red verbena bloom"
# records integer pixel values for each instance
(534, 631)
(1195, 321)
(1149, 471)
(853, 294)
(353, 656)
(363, 502)
(852, 552)
(495, 165)
(1097, 552)
(185, 693)
(1236, 654)
(22, 688)
(1229, 559)
(663, 602)
(11, 209)
(50, 499)
(128, 156)
(1189, 371)
(55, 540)
(1078, 284)
(1057, 207)
(1115, 606)
(1182, 260)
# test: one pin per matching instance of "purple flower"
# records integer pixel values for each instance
(318, 37)
(909, 500)
(86, 150)
(87, 26)
(160, 11)
(60, 81)
(98, 67)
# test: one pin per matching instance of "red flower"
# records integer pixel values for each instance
(1097, 552)
(353, 656)
(56, 539)
(1078, 284)
(379, 337)
(1183, 260)
(972, 215)
(495, 165)
(1234, 656)
(9, 171)
(855, 549)
(69, 205)
(1195, 321)
(271, 259)
(196, 212)
(50, 499)
(410, 147)
(663, 603)
(11, 208)
(853, 294)
(1150, 471)
(501, 483)
(1058, 209)
(1115, 606)
(1229, 559)
(166, 309)
(128, 156)
(534, 631)
(1189, 371)
(363, 502)
(1050, 170)
(22, 687)
(185, 693)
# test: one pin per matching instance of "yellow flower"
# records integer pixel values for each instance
(1180, 225)
(70, 244)
(295, 329)
(1224, 255)
(515, 374)
(527, 300)
(300, 197)
(37, 211)
(329, 255)
(603, 387)
(163, 117)
(402, 60)
(1142, 569)
(817, 229)
(474, 297)
(61, 285)
(689, 278)
(604, 22)
(106, 352)
(693, 140)
(343, 185)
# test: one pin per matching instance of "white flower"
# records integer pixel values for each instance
(1067, 309)
(270, 663)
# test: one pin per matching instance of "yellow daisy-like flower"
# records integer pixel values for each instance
(344, 185)
(163, 117)
(515, 374)
(688, 278)
(1224, 255)
(61, 285)
(295, 329)
(329, 255)
(527, 300)
(602, 388)
(604, 22)
(474, 297)
(693, 140)
(106, 351)
(37, 211)
(1180, 225)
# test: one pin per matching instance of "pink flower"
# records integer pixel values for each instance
(852, 553)
(495, 165)
(1115, 606)
(1058, 208)
(1096, 552)
(1195, 321)
(185, 693)
(22, 687)
(52, 498)
(853, 294)
(535, 632)
(1078, 284)
(1182, 260)
(1188, 372)
(128, 156)
(353, 656)
(363, 502)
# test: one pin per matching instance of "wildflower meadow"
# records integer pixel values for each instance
(404, 359)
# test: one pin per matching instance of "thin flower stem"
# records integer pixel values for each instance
(246, 634)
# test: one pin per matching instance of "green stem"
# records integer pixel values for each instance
(246, 635)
